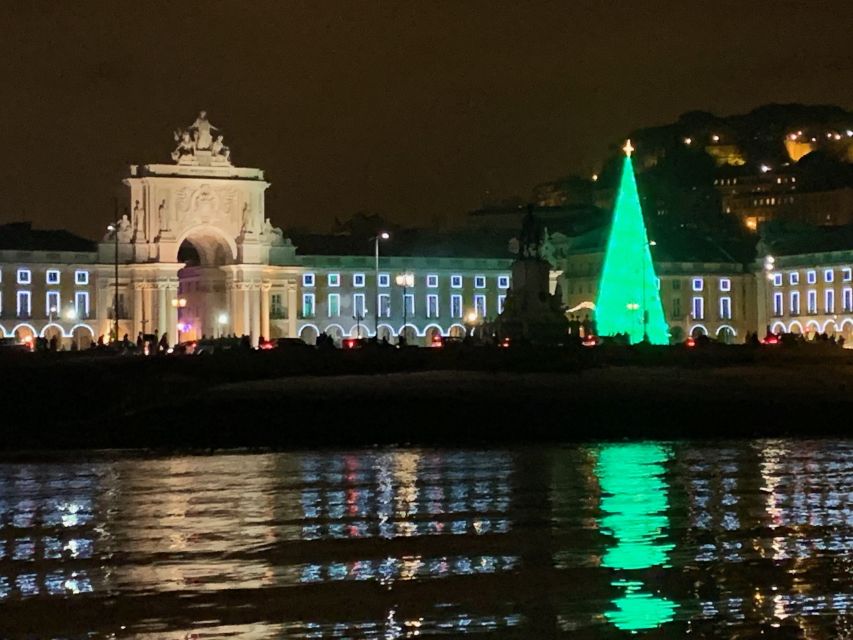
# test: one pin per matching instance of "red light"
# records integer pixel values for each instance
(690, 342)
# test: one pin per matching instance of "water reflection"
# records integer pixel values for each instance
(634, 508)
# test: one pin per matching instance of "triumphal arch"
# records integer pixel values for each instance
(198, 255)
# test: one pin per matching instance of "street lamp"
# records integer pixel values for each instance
(651, 243)
(222, 320)
(114, 228)
(405, 280)
(384, 235)
(178, 304)
(769, 266)
(472, 318)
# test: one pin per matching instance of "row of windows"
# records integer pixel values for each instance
(359, 280)
(333, 305)
(52, 276)
(811, 276)
(699, 284)
(811, 302)
(52, 305)
(697, 311)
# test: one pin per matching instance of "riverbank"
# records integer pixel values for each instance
(282, 400)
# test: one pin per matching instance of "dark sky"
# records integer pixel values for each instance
(413, 110)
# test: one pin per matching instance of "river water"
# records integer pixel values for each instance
(722, 539)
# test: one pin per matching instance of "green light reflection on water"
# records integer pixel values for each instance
(634, 504)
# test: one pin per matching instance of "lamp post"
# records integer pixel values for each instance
(645, 310)
(384, 235)
(178, 304)
(114, 228)
(405, 280)
(222, 320)
(769, 266)
(472, 319)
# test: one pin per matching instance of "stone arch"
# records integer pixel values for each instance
(795, 324)
(308, 333)
(830, 327)
(24, 333)
(385, 331)
(430, 332)
(336, 331)
(213, 246)
(4, 333)
(812, 329)
(726, 334)
(676, 334)
(52, 326)
(698, 330)
(778, 327)
(82, 336)
(409, 331)
(359, 331)
(456, 331)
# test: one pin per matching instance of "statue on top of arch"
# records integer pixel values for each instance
(197, 146)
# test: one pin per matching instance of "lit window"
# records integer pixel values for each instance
(480, 306)
(307, 305)
(828, 275)
(456, 306)
(847, 274)
(24, 307)
(81, 304)
(51, 303)
(794, 277)
(334, 279)
(829, 301)
(384, 280)
(847, 300)
(777, 279)
(384, 305)
(725, 308)
(778, 304)
(307, 279)
(811, 302)
(334, 305)
(811, 276)
(698, 284)
(725, 284)
(410, 304)
(52, 276)
(501, 301)
(456, 282)
(479, 282)
(81, 277)
(24, 276)
(698, 308)
(795, 303)
(359, 308)
(432, 281)
(432, 306)
(503, 282)
(358, 279)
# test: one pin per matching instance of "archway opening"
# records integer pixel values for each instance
(81, 338)
(726, 335)
(308, 334)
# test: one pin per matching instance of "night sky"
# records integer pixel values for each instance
(413, 110)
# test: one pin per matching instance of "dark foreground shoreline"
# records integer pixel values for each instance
(426, 397)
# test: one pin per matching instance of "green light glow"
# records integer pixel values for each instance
(628, 289)
(634, 505)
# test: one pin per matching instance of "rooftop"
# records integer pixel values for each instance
(20, 236)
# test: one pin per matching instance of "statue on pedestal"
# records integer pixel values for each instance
(201, 129)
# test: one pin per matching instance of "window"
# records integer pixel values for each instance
(777, 279)
(359, 309)
(358, 279)
(456, 282)
(847, 300)
(432, 281)
(24, 276)
(52, 276)
(811, 276)
(698, 308)
(432, 306)
(795, 303)
(829, 301)
(333, 279)
(456, 306)
(501, 301)
(725, 308)
(81, 277)
(778, 309)
(384, 305)
(811, 302)
(307, 279)
(479, 282)
(503, 282)
(828, 275)
(480, 306)
(676, 285)
(410, 304)
(847, 274)
(51, 303)
(334, 305)
(307, 305)
(276, 306)
(384, 280)
(794, 278)
(24, 307)
(725, 284)
(676, 308)
(698, 284)
(81, 304)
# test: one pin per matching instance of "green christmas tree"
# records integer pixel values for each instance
(628, 296)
